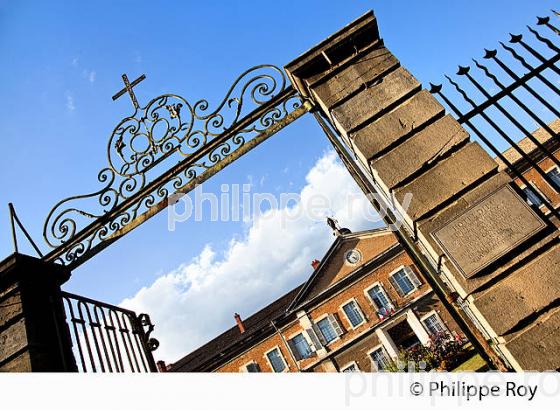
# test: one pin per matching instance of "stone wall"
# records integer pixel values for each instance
(33, 331)
(466, 214)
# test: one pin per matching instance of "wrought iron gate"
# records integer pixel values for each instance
(108, 338)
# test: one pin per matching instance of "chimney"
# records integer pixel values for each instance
(240, 324)
(315, 263)
(162, 367)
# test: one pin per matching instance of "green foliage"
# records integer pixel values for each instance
(443, 353)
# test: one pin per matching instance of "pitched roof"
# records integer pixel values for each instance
(307, 288)
(232, 341)
(198, 359)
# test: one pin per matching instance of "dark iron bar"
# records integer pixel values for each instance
(513, 120)
(529, 67)
(103, 332)
(520, 103)
(546, 22)
(540, 149)
(509, 89)
(492, 54)
(436, 89)
(506, 137)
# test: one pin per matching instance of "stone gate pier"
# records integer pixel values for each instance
(488, 244)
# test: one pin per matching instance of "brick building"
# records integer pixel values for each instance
(364, 301)
(552, 143)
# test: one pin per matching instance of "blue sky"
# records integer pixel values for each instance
(62, 62)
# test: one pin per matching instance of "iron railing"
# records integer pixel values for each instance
(508, 94)
(108, 338)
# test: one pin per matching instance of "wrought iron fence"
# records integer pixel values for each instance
(509, 93)
(108, 338)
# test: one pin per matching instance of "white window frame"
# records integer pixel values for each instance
(377, 347)
(438, 317)
(347, 365)
(281, 356)
(307, 339)
(541, 206)
(364, 318)
(550, 169)
(405, 268)
(326, 316)
(244, 369)
(366, 292)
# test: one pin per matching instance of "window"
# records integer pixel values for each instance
(253, 368)
(351, 368)
(380, 298)
(380, 359)
(554, 174)
(300, 347)
(404, 281)
(327, 330)
(434, 324)
(276, 360)
(353, 313)
(531, 197)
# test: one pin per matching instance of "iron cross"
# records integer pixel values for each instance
(128, 89)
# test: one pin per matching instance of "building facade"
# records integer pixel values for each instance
(551, 191)
(364, 302)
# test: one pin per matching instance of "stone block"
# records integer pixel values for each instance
(379, 96)
(487, 231)
(536, 347)
(10, 307)
(510, 300)
(12, 339)
(19, 364)
(354, 77)
(466, 201)
(445, 180)
(412, 114)
(419, 152)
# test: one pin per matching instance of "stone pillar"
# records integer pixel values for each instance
(417, 327)
(34, 336)
(492, 249)
(388, 343)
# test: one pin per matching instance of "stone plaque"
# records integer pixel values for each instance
(488, 230)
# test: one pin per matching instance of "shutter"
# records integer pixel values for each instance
(319, 334)
(396, 286)
(335, 324)
(294, 350)
(314, 336)
(412, 276)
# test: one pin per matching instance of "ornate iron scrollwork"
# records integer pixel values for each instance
(143, 146)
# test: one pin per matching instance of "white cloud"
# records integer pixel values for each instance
(196, 301)
(91, 76)
(70, 106)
